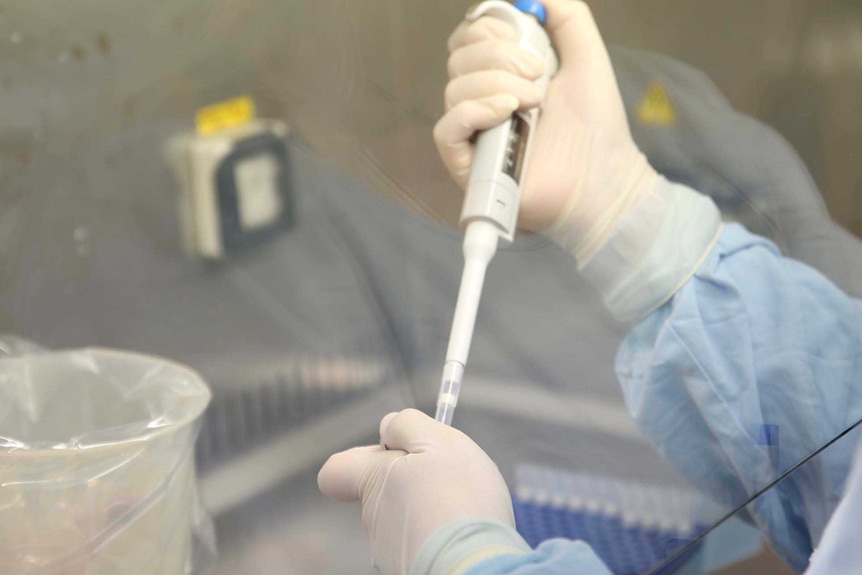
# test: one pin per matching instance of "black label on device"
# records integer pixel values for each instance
(516, 148)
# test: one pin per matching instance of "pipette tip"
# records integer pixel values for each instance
(450, 389)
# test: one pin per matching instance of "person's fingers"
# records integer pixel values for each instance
(495, 55)
(490, 83)
(453, 132)
(412, 431)
(383, 424)
(573, 31)
(570, 24)
(459, 124)
(481, 30)
(341, 476)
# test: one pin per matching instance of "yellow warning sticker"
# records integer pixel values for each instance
(656, 109)
(224, 115)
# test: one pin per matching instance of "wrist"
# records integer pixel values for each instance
(653, 250)
(618, 177)
(460, 545)
(592, 237)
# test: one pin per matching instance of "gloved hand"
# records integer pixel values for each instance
(431, 475)
(585, 171)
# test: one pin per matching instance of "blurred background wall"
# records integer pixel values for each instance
(344, 72)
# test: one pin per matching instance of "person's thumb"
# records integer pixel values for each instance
(573, 31)
(346, 475)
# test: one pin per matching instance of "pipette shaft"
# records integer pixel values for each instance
(480, 244)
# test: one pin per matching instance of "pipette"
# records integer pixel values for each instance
(493, 196)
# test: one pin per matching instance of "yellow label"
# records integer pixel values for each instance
(224, 115)
(656, 109)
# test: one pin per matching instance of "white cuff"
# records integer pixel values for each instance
(654, 250)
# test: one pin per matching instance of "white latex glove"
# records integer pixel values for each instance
(431, 475)
(585, 171)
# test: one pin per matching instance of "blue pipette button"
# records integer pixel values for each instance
(537, 9)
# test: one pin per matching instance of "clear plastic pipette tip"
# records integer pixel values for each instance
(450, 388)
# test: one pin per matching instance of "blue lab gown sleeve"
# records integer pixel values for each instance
(479, 546)
(753, 365)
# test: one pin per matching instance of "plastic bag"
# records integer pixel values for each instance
(97, 469)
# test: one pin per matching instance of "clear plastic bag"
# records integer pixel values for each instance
(97, 471)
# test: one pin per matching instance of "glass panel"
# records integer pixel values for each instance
(795, 528)
(317, 307)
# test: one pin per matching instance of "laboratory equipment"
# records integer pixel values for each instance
(633, 526)
(234, 181)
(493, 194)
(97, 467)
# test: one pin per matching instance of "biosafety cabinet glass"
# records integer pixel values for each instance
(252, 190)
